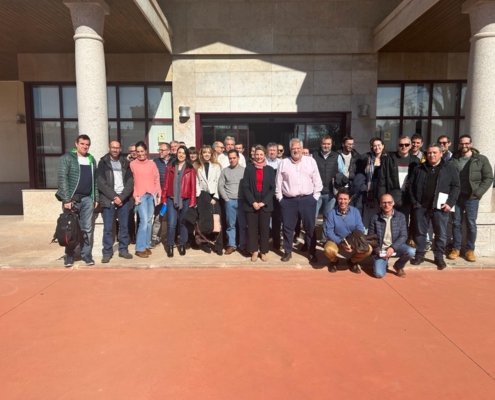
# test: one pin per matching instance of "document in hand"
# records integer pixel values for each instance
(442, 199)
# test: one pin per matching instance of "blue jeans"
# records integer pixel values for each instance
(172, 215)
(234, 212)
(108, 219)
(86, 208)
(145, 211)
(404, 252)
(466, 207)
(327, 202)
(439, 220)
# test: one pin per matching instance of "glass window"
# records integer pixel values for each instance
(444, 99)
(159, 101)
(463, 99)
(441, 127)
(112, 102)
(71, 132)
(243, 134)
(388, 100)
(388, 130)
(413, 126)
(208, 134)
(222, 131)
(48, 137)
(416, 99)
(46, 102)
(131, 102)
(300, 131)
(69, 100)
(47, 172)
(131, 132)
(462, 127)
(159, 132)
(112, 131)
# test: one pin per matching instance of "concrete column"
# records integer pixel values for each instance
(480, 97)
(88, 17)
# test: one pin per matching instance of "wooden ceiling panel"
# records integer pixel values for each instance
(443, 28)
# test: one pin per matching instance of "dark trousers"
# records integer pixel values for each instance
(292, 208)
(439, 220)
(405, 209)
(108, 215)
(258, 227)
(276, 222)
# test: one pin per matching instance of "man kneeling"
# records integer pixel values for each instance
(391, 228)
(339, 223)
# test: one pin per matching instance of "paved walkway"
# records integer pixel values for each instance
(245, 334)
(26, 245)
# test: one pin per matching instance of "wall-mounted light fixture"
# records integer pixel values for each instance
(364, 111)
(184, 112)
(20, 119)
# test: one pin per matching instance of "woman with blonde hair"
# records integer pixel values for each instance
(207, 174)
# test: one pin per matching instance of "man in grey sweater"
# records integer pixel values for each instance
(228, 187)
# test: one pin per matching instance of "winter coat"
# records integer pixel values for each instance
(106, 180)
(328, 168)
(188, 184)
(209, 184)
(398, 228)
(480, 172)
(251, 195)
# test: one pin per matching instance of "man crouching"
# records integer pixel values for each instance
(391, 228)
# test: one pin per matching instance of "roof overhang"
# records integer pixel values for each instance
(424, 26)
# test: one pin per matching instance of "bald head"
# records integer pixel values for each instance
(114, 150)
(387, 204)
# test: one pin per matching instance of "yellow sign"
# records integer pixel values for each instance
(387, 135)
(161, 137)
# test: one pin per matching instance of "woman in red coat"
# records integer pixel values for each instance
(179, 193)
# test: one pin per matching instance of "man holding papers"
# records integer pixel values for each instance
(433, 190)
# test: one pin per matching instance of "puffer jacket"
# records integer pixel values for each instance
(480, 172)
(187, 184)
(69, 174)
(398, 228)
(106, 180)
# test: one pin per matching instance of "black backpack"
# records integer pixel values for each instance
(68, 231)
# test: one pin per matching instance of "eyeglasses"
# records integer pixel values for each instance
(387, 202)
(404, 144)
(464, 144)
(132, 151)
(443, 143)
(163, 150)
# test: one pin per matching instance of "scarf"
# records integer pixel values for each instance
(177, 182)
(258, 165)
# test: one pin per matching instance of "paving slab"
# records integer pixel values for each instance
(245, 334)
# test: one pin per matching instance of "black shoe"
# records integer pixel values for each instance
(313, 259)
(170, 251)
(332, 267)
(304, 247)
(417, 260)
(126, 255)
(206, 248)
(187, 246)
(354, 268)
(219, 252)
(69, 261)
(245, 253)
(286, 257)
(154, 243)
(89, 261)
(276, 246)
(440, 263)
(106, 258)
(182, 250)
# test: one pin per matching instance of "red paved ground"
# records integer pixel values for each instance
(246, 334)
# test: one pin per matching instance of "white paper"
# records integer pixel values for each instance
(442, 199)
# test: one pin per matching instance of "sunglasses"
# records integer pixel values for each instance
(280, 150)
(404, 144)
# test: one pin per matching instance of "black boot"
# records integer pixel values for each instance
(206, 248)
(182, 249)
(417, 260)
(170, 251)
(440, 263)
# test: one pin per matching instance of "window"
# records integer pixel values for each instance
(135, 112)
(431, 109)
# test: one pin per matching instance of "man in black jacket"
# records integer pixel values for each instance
(115, 184)
(395, 173)
(348, 156)
(433, 191)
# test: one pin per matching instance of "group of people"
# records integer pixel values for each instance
(205, 198)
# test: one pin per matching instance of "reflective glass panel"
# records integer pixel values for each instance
(208, 134)
(388, 130)
(159, 102)
(132, 132)
(112, 131)
(441, 127)
(300, 129)
(243, 135)
(159, 132)
(112, 102)
(69, 99)
(463, 99)
(222, 131)
(131, 102)
(416, 99)
(388, 100)
(444, 99)
(414, 126)
(46, 102)
(314, 133)
(48, 137)
(71, 132)
(47, 172)
(462, 127)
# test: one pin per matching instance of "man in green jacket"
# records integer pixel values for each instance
(476, 177)
(77, 190)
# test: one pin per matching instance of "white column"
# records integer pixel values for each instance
(88, 17)
(480, 96)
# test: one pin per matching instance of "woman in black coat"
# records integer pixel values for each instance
(258, 189)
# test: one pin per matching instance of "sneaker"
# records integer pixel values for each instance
(89, 261)
(106, 258)
(453, 254)
(126, 255)
(69, 261)
(470, 256)
(154, 243)
(399, 271)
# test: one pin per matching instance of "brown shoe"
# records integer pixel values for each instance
(400, 272)
(142, 254)
(148, 251)
(470, 256)
(254, 256)
(264, 258)
(229, 250)
(454, 254)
